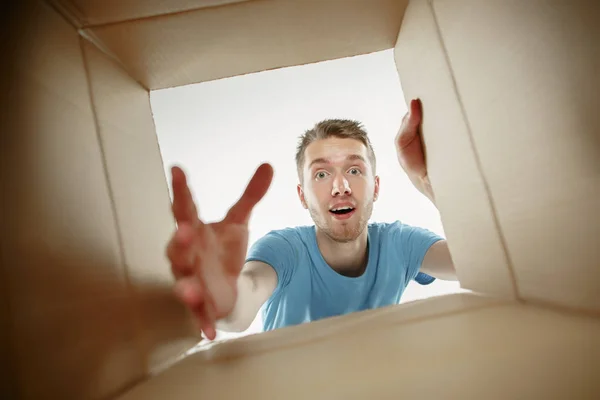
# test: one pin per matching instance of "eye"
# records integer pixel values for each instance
(354, 171)
(321, 175)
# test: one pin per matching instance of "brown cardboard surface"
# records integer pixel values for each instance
(512, 129)
(95, 12)
(527, 76)
(382, 317)
(247, 37)
(71, 328)
(89, 307)
(466, 210)
(494, 352)
(8, 384)
(142, 204)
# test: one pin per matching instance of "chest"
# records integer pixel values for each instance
(325, 292)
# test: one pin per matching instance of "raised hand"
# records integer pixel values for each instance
(409, 146)
(206, 259)
(410, 150)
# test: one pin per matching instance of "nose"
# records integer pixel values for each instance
(340, 185)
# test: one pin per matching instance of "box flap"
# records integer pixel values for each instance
(72, 317)
(467, 214)
(510, 92)
(252, 36)
(140, 197)
(87, 307)
(99, 12)
(455, 346)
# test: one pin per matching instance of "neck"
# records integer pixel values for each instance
(346, 258)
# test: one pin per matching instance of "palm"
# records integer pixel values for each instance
(230, 241)
(207, 258)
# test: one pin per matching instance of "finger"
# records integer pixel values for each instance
(409, 127)
(180, 251)
(190, 292)
(416, 113)
(184, 208)
(208, 310)
(209, 331)
(204, 325)
(255, 191)
(412, 118)
(203, 321)
(208, 321)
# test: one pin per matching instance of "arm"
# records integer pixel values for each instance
(438, 262)
(255, 285)
(411, 156)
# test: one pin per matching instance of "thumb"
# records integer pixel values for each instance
(255, 191)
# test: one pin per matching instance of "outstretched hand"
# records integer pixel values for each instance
(206, 259)
(410, 149)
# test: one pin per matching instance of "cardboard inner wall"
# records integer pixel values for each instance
(461, 195)
(86, 301)
(460, 346)
(141, 201)
(85, 214)
(250, 36)
(510, 91)
(99, 12)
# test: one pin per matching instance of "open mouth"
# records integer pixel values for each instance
(341, 210)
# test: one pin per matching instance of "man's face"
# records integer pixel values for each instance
(338, 187)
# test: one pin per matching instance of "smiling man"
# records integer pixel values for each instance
(341, 264)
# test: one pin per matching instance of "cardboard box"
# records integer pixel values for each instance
(512, 130)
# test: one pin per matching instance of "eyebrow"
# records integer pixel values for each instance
(351, 157)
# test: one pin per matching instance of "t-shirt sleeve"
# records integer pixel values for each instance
(413, 243)
(276, 250)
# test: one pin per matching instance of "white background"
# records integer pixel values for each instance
(220, 131)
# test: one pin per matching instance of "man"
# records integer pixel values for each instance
(341, 264)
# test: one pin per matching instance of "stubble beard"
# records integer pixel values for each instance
(339, 231)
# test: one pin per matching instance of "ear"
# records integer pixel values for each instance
(301, 196)
(376, 192)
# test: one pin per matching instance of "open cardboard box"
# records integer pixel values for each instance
(512, 130)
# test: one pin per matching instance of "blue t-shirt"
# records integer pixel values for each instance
(308, 289)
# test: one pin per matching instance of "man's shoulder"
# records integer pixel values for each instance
(282, 249)
(407, 242)
(383, 228)
(395, 227)
(399, 235)
(284, 239)
(295, 233)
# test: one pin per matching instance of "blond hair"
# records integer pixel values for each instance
(339, 128)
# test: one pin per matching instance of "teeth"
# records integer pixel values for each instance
(341, 208)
